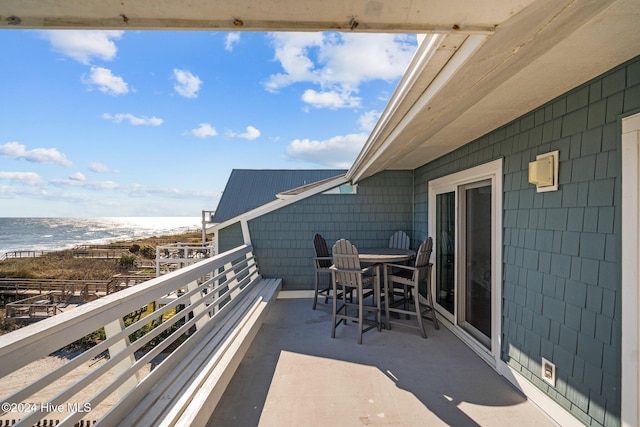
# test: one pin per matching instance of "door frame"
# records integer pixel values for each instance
(630, 260)
(488, 171)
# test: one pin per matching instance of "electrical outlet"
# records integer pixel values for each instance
(549, 372)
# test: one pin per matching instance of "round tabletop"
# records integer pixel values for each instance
(385, 255)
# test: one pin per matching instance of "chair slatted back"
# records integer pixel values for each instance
(422, 259)
(347, 263)
(321, 251)
(399, 240)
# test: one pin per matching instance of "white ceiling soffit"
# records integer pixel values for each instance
(262, 15)
(545, 50)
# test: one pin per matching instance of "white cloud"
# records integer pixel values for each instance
(355, 58)
(100, 168)
(336, 152)
(78, 176)
(292, 50)
(250, 134)
(187, 84)
(16, 150)
(83, 45)
(106, 81)
(74, 181)
(338, 63)
(27, 178)
(368, 120)
(230, 40)
(330, 99)
(133, 190)
(133, 120)
(205, 130)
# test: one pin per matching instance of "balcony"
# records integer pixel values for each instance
(295, 374)
(172, 344)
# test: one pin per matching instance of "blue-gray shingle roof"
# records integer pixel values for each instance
(247, 189)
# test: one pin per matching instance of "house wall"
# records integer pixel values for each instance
(283, 239)
(561, 275)
(230, 237)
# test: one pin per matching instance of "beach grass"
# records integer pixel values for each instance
(64, 265)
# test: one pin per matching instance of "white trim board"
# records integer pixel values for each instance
(630, 259)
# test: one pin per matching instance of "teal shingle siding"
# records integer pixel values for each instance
(283, 239)
(561, 246)
(230, 237)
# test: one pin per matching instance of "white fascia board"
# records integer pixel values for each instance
(422, 57)
(281, 203)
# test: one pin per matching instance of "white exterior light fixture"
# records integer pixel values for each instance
(543, 173)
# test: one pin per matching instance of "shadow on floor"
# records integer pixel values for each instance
(295, 374)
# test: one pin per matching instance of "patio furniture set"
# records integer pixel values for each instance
(367, 282)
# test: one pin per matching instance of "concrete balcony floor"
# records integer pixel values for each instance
(295, 374)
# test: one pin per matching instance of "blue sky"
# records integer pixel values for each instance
(143, 123)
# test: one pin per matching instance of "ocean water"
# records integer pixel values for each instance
(63, 233)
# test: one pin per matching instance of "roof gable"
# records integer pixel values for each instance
(247, 189)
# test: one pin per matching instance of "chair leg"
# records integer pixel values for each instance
(407, 300)
(360, 314)
(416, 301)
(315, 295)
(326, 295)
(378, 298)
(387, 301)
(433, 311)
(334, 311)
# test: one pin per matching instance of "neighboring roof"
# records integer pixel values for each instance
(247, 189)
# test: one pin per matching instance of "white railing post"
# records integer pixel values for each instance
(200, 308)
(111, 329)
(246, 235)
(234, 282)
(157, 261)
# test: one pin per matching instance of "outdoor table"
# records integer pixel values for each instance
(385, 255)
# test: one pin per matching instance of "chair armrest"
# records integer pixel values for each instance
(319, 259)
(350, 270)
(405, 267)
(370, 268)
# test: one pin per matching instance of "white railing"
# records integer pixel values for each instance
(178, 255)
(148, 330)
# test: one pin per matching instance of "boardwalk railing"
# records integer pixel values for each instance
(22, 254)
(19, 286)
(177, 255)
(156, 361)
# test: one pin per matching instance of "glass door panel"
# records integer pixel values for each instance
(445, 253)
(475, 304)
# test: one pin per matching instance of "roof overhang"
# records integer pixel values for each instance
(461, 86)
(413, 16)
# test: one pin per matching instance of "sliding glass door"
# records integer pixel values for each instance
(464, 222)
(474, 313)
(445, 253)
